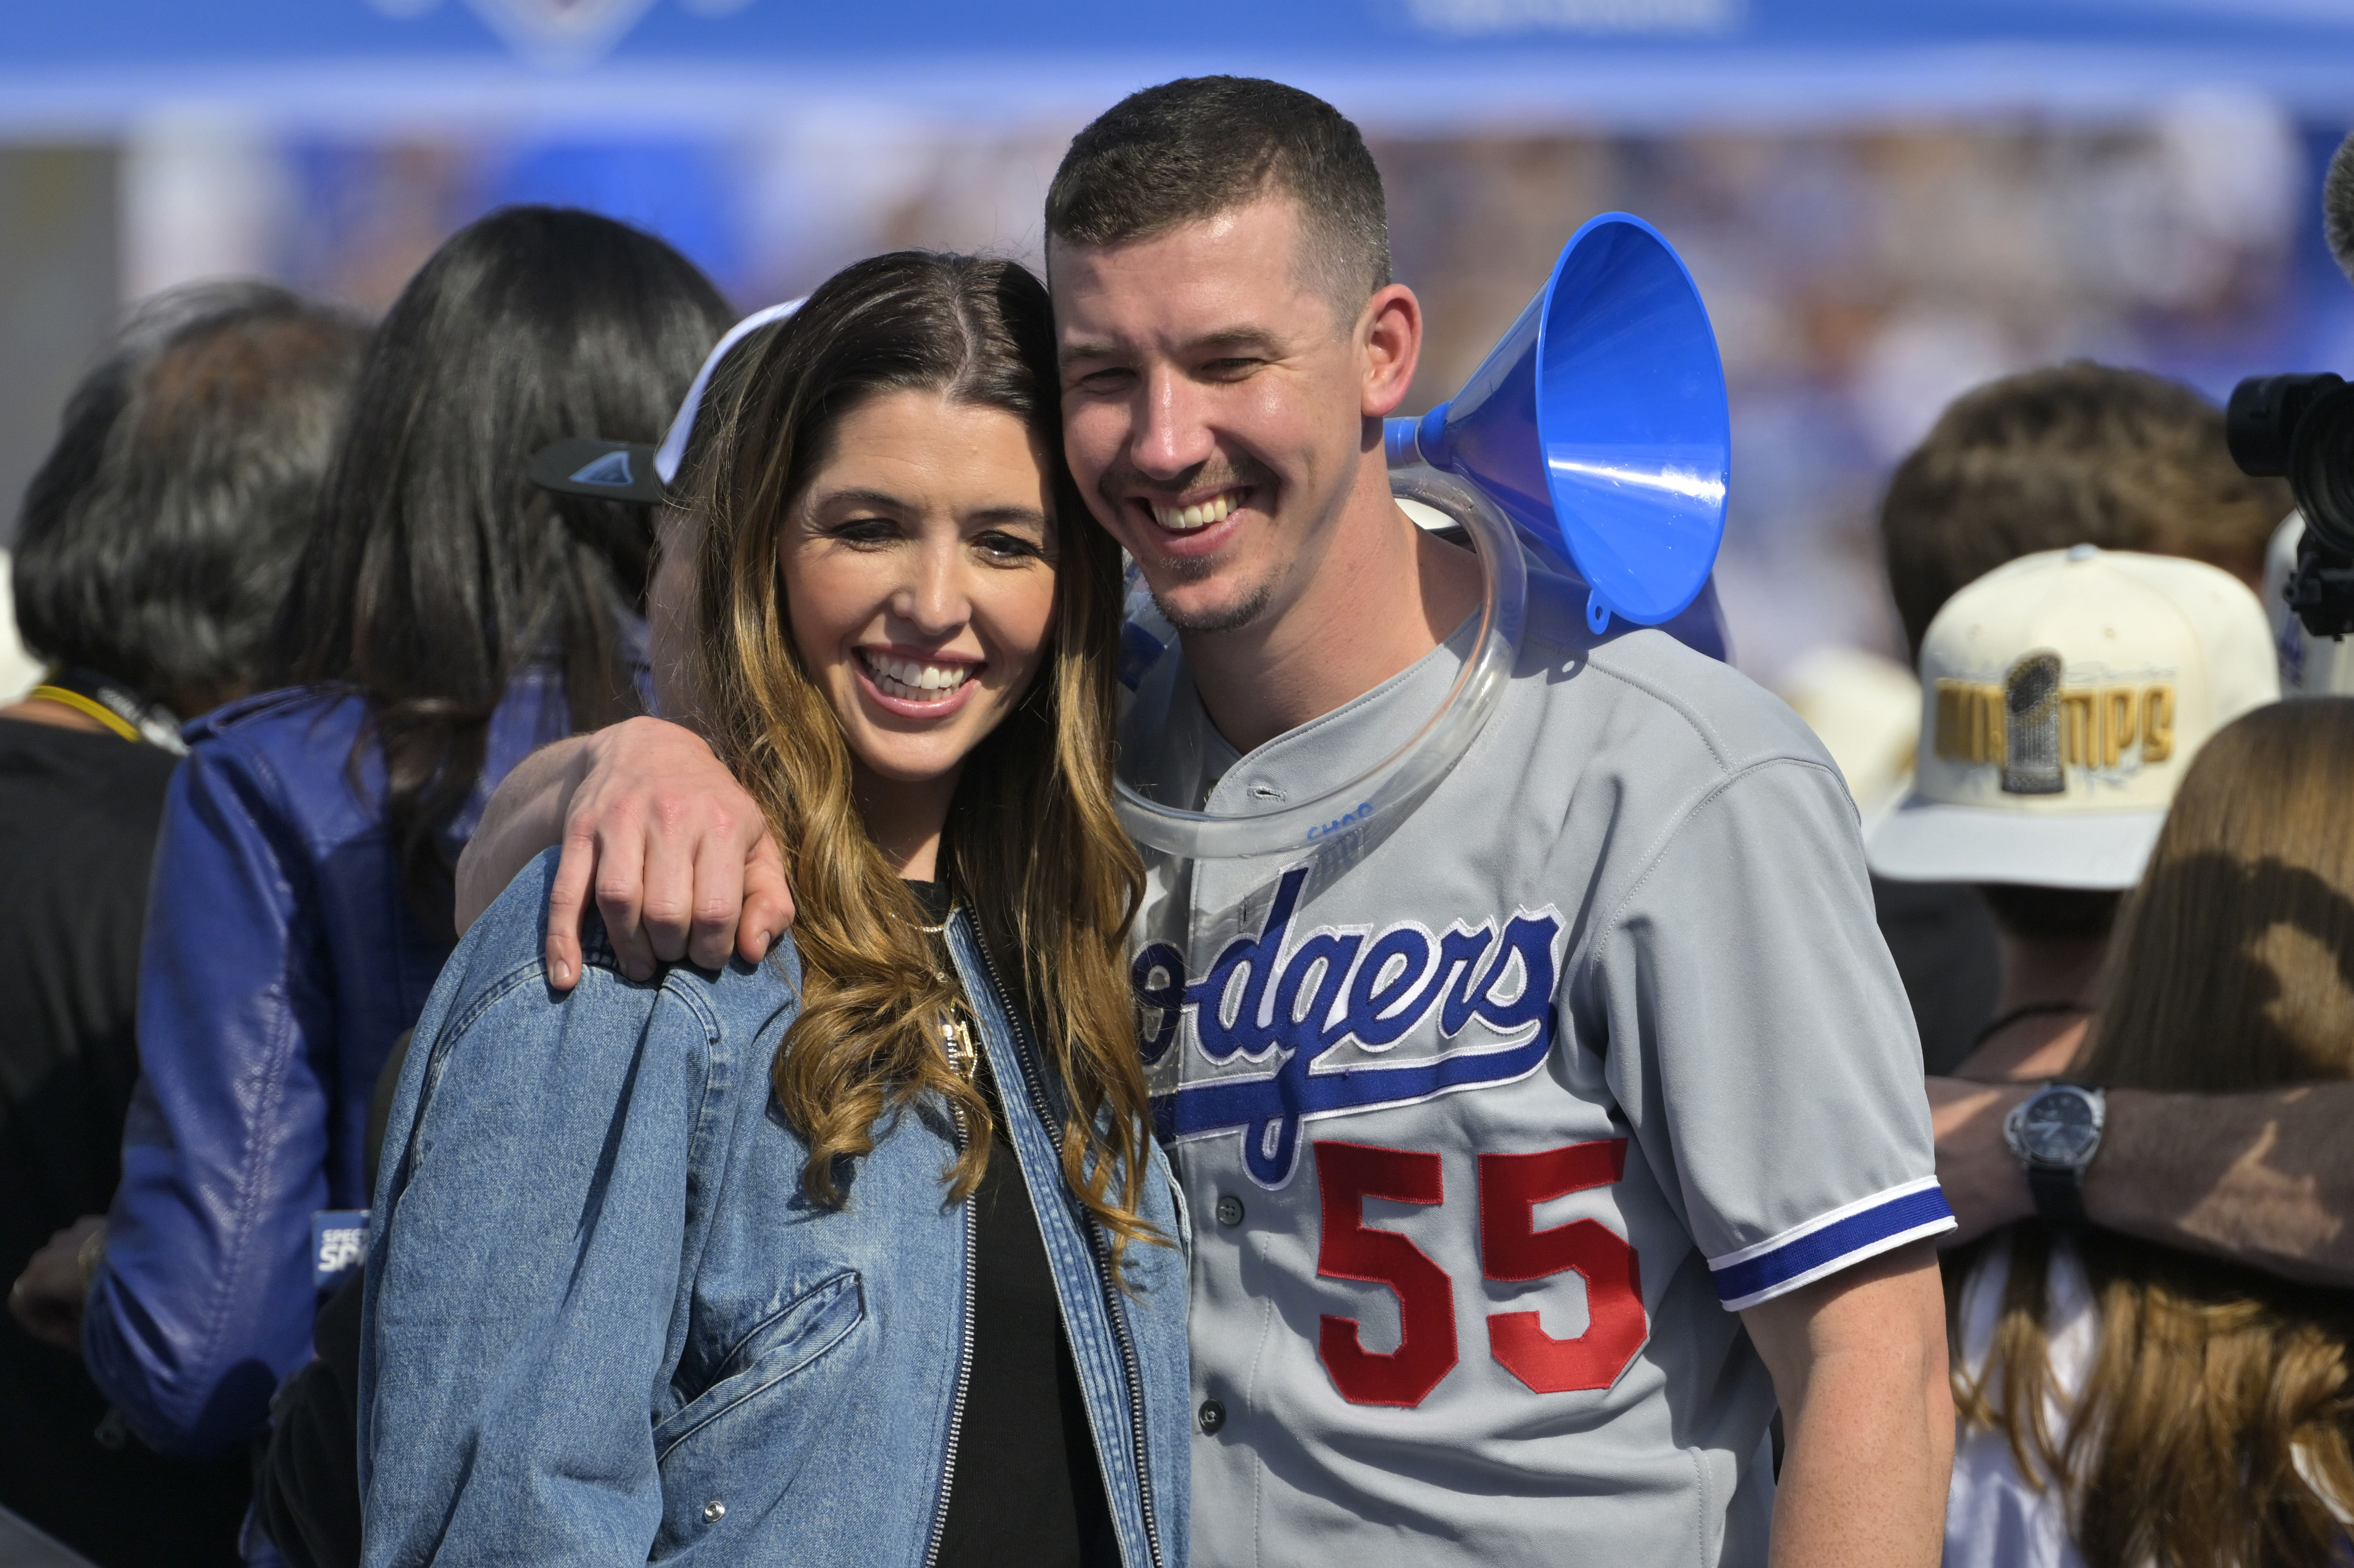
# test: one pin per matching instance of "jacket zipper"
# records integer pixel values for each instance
(1102, 1261)
(964, 1365)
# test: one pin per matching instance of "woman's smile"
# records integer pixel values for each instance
(915, 685)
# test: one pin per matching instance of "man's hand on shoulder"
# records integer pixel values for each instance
(1984, 1184)
(678, 856)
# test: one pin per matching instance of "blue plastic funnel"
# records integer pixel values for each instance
(1599, 424)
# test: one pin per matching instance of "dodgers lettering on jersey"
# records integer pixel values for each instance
(1496, 1120)
(1295, 1004)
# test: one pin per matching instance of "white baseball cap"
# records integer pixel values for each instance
(2063, 695)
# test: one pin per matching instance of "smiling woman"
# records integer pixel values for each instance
(906, 1159)
(882, 497)
(920, 564)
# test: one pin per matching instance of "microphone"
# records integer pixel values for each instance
(2338, 206)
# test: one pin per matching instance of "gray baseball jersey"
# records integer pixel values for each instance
(1490, 1118)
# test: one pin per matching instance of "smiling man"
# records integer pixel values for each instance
(1228, 349)
(1503, 1133)
(1537, 1151)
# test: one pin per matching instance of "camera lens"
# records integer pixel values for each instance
(2261, 419)
(2321, 468)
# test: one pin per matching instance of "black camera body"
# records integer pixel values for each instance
(2301, 429)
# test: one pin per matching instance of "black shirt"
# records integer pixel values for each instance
(78, 814)
(1027, 1490)
(1944, 943)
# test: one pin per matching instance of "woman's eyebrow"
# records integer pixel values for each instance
(884, 500)
(997, 516)
(881, 500)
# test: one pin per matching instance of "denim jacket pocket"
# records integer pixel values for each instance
(789, 1340)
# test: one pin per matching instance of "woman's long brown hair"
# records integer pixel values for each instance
(2232, 970)
(1032, 846)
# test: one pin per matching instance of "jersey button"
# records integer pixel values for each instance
(1213, 1415)
(1230, 1210)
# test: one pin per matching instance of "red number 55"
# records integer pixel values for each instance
(1511, 1248)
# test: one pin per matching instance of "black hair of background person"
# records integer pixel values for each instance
(154, 544)
(306, 1481)
(158, 537)
(437, 570)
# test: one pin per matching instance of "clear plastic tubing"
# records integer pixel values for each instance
(1400, 781)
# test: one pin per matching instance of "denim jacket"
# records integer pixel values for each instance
(604, 1323)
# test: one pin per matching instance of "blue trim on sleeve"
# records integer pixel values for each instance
(1743, 1281)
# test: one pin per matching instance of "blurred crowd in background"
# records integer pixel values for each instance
(1858, 276)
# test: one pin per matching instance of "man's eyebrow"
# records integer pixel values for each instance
(1258, 340)
(1086, 348)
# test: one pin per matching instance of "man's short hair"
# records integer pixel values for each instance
(2076, 454)
(160, 534)
(1189, 149)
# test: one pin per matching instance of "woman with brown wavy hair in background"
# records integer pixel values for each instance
(2123, 1404)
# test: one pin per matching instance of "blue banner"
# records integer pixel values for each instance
(1665, 60)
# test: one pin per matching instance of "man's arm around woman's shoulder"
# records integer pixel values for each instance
(657, 837)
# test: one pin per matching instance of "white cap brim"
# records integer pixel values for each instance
(1925, 841)
(673, 451)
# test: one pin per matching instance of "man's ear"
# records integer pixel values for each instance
(1390, 330)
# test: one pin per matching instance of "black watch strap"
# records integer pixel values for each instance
(2059, 1194)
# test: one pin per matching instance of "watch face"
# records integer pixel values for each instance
(2059, 1129)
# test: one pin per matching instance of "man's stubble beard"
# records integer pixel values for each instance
(1233, 616)
(1254, 600)
(1229, 618)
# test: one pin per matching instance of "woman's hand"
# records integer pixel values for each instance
(47, 1297)
(678, 854)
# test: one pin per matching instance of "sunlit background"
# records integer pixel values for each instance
(1883, 203)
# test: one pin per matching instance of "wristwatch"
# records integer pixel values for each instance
(2055, 1132)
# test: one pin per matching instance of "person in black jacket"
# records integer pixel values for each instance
(153, 547)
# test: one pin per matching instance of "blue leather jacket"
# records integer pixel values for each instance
(280, 962)
(605, 1325)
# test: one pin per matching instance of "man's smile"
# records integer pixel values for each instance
(1191, 517)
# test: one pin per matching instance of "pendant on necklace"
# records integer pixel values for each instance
(956, 1044)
